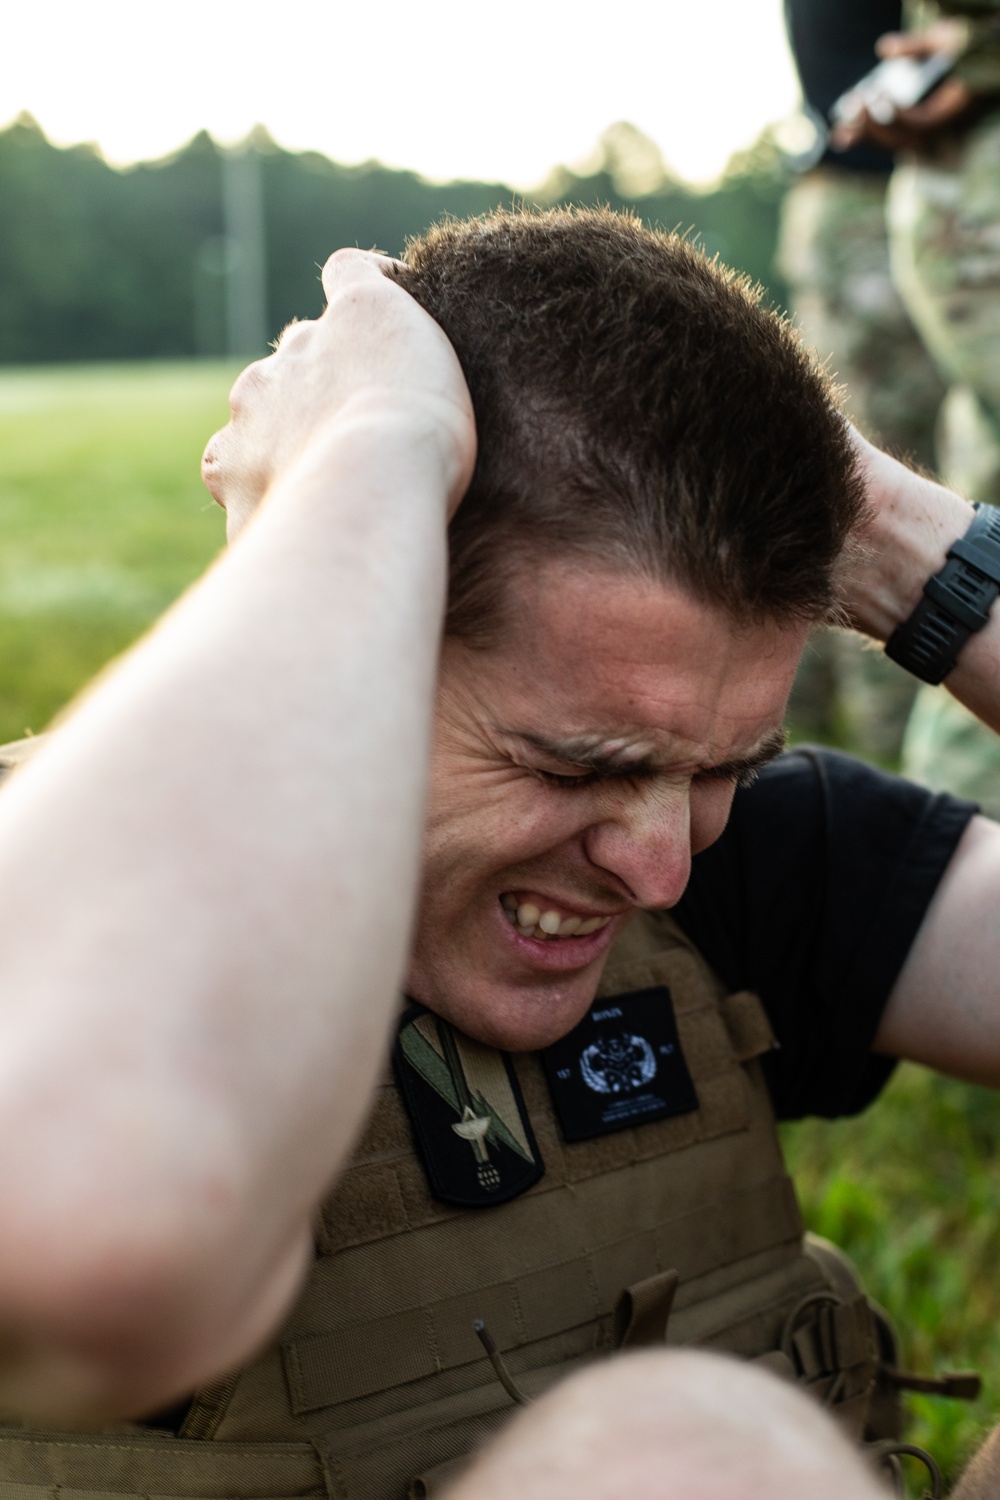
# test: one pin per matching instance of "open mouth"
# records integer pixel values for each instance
(547, 923)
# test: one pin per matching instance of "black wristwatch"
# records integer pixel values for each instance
(956, 602)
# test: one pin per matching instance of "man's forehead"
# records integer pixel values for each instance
(580, 599)
(631, 676)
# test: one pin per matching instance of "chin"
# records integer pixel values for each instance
(508, 1017)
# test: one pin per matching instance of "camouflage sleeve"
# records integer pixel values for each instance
(979, 64)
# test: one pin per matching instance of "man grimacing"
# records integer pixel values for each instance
(220, 868)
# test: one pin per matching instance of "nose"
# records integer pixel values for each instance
(645, 841)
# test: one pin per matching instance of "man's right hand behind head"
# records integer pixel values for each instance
(373, 351)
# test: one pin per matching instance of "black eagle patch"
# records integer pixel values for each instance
(621, 1066)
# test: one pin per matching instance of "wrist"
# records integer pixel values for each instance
(912, 524)
(428, 436)
(406, 448)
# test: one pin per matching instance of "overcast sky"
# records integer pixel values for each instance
(450, 87)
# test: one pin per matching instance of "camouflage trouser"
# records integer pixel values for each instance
(944, 225)
(834, 254)
(947, 749)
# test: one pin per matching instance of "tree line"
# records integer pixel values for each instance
(104, 263)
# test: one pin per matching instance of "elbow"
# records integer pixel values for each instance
(114, 1319)
(99, 1331)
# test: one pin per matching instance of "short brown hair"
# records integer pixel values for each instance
(637, 403)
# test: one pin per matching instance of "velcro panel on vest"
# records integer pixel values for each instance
(359, 1358)
(127, 1464)
(385, 1192)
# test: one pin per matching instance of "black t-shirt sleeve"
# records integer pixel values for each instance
(813, 897)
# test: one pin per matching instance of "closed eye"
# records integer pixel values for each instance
(568, 783)
(740, 776)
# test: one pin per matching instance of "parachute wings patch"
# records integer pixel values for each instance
(467, 1112)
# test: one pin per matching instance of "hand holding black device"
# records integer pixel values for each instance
(895, 83)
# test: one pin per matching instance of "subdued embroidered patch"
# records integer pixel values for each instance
(621, 1066)
(464, 1102)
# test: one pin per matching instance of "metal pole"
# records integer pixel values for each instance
(246, 269)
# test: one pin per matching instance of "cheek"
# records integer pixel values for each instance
(500, 818)
(711, 804)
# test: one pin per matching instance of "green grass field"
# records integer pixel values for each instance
(104, 521)
(103, 517)
(909, 1190)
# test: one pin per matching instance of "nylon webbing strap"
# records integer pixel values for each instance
(357, 1360)
(642, 1311)
(956, 602)
(748, 1025)
(64, 1492)
(838, 1338)
(126, 1464)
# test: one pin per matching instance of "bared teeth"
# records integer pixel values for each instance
(530, 921)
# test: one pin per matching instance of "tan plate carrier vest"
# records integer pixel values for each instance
(377, 1383)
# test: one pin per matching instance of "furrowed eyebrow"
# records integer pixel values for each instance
(770, 746)
(591, 755)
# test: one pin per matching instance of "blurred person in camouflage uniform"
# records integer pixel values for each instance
(834, 254)
(944, 227)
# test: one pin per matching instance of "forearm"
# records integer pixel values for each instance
(209, 878)
(981, 1479)
(942, 1011)
(914, 522)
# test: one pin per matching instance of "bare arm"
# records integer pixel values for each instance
(209, 877)
(981, 1479)
(945, 1008)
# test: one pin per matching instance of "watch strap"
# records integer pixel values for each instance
(956, 602)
